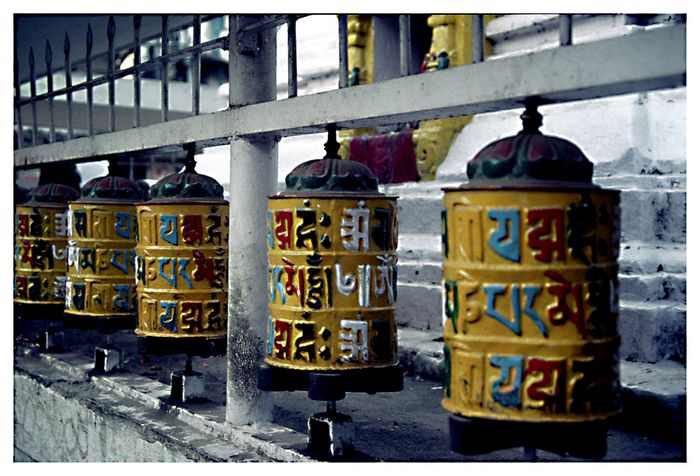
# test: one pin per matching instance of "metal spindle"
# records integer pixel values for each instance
(405, 44)
(137, 70)
(18, 106)
(292, 56)
(196, 63)
(88, 77)
(565, 30)
(49, 90)
(477, 38)
(164, 70)
(110, 70)
(32, 95)
(343, 51)
(69, 84)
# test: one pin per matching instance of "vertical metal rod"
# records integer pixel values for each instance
(69, 84)
(477, 38)
(565, 30)
(49, 89)
(331, 406)
(529, 453)
(110, 69)
(18, 108)
(405, 44)
(292, 56)
(88, 77)
(253, 178)
(32, 95)
(196, 63)
(164, 70)
(343, 51)
(137, 71)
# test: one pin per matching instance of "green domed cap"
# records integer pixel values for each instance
(111, 187)
(331, 173)
(530, 156)
(187, 185)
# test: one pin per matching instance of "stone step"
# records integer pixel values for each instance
(419, 306)
(653, 215)
(420, 272)
(652, 331)
(657, 214)
(654, 286)
(660, 286)
(657, 389)
(649, 331)
(637, 257)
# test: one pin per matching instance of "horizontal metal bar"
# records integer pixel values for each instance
(207, 46)
(590, 70)
(266, 23)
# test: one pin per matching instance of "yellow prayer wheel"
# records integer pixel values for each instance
(332, 273)
(101, 241)
(182, 266)
(40, 231)
(530, 250)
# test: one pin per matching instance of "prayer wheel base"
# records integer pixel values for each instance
(331, 434)
(199, 346)
(187, 386)
(330, 385)
(103, 324)
(51, 340)
(38, 312)
(108, 359)
(473, 436)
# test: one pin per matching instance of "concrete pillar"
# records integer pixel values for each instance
(252, 79)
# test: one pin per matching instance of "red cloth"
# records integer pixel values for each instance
(391, 157)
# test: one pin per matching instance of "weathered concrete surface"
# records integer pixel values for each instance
(57, 399)
(63, 415)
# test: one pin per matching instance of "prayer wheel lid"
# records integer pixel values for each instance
(187, 185)
(331, 173)
(53, 193)
(530, 157)
(21, 194)
(111, 187)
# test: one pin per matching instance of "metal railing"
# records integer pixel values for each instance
(255, 120)
(195, 51)
(667, 62)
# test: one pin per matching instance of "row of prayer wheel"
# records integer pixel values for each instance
(530, 251)
(108, 253)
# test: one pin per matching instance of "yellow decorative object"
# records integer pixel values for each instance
(182, 268)
(40, 254)
(432, 141)
(450, 46)
(332, 272)
(101, 259)
(530, 289)
(360, 49)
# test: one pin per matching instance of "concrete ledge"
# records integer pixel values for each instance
(647, 389)
(61, 414)
(64, 412)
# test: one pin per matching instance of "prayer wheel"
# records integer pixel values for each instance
(530, 250)
(40, 231)
(182, 266)
(102, 237)
(332, 241)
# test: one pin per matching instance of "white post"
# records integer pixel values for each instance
(252, 79)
